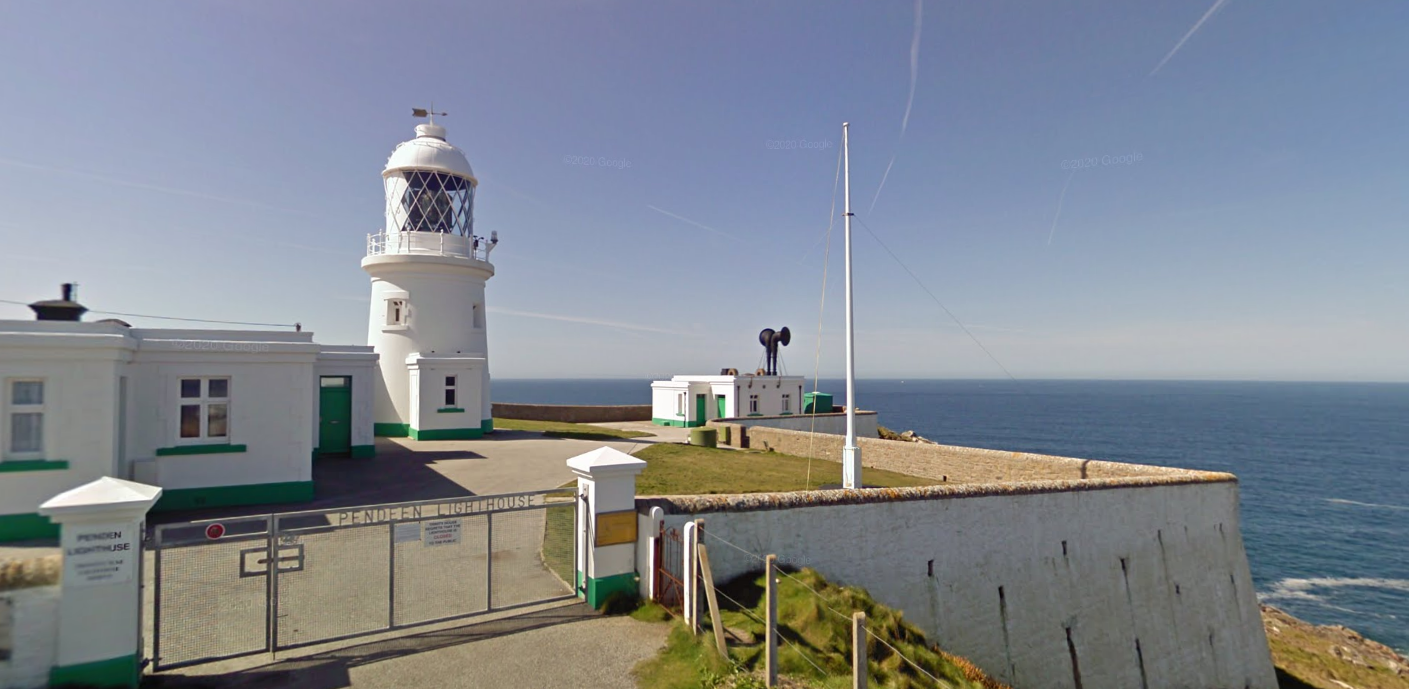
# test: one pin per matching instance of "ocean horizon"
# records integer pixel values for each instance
(1321, 466)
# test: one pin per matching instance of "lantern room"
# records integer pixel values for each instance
(430, 186)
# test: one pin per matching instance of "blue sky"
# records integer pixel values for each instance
(222, 160)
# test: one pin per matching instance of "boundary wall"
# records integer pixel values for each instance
(867, 424)
(29, 636)
(573, 413)
(1103, 583)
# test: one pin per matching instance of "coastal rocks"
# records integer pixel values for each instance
(1331, 656)
(907, 436)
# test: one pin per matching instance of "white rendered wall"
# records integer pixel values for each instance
(770, 391)
(1163, 564)
(428, 390)
(31, 637)
(441, 292)
(664, 398)
(832, 424)
(361, 364)
(80, 368)
(272, 404)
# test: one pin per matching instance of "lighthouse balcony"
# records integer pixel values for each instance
(430, 244)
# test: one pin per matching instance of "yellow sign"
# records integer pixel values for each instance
(615, 528)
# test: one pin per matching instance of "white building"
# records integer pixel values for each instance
(427, 317)
(228, 417)
(693, 400)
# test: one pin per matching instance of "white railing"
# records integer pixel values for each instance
(429, 243)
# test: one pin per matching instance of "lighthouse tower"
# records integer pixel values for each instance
(427, 317)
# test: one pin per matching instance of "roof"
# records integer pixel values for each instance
(429, 151)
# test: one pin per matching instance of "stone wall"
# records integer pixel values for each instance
(946, 463)
(573, 413)
(834, 424)
(29, 628)
(1103, 583)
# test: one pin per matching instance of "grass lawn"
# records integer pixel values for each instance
(689, 470)
(813, 630)
(558, 429)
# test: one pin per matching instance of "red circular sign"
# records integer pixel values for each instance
(214, 531)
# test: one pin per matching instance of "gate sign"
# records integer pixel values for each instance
(214, 531)
(99, 555)
(441, 532)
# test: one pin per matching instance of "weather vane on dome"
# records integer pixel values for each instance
(431, 113)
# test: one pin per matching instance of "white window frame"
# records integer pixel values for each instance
(680, 404)
(398, 313)
(13, 408)
(787, 402)
(452, 392)
(205, 401)
(753, 404)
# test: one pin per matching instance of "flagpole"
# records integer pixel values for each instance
(850, 453)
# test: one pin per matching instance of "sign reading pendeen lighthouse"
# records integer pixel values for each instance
(449, 508)
(99, 555)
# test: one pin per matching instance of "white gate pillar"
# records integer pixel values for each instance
(100, 635)
(606, 523)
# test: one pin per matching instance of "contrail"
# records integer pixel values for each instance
(909, 102)
(1217, 4)
(1060, 199)
(153, 187)
(586, 321)
(692, 222)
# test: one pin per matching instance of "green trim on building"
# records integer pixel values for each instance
(447, 434)
(599, 589)
(450, 410)
(486, 426)
(199, 450)
(33, 465)
(26, 527)
(755, 414)
(391, 430)
(117, 672)
(227, 496)
(364, 451)
(677, 423)
(786, 413)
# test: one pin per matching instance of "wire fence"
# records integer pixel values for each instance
(710, 538)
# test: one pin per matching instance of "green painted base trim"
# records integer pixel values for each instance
(391, 430)
(33, 465)
(599, 589)
(364, 451)
(26, 527)
(447, 434)
(677, 423)
(199, 450)
(450, 410)
(486, 426)
(226, 496)
(117, 672)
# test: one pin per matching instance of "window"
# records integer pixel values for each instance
(680, 405)
(450, 391)
(753, 404)
(396, 312)
(787, 403)
(477, 316)
(205, 410)
(26, 422)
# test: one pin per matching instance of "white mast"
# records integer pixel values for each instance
(850, 453)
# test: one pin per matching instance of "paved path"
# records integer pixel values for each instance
(567, 647)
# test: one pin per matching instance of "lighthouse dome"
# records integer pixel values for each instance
(429, 152)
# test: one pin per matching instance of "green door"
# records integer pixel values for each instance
(719, 401)
(699, 410)
(334, 415)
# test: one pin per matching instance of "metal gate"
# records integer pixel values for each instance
(349, 572)
(669, 585)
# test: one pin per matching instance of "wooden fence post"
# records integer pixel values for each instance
(858, 650)
(714, 621)
(771, 628)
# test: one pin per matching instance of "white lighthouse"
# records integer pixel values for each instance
(427, 319)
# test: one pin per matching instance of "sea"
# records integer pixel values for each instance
(1323, 468)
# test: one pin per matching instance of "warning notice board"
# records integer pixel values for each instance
(99, 555)
(441, 532)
